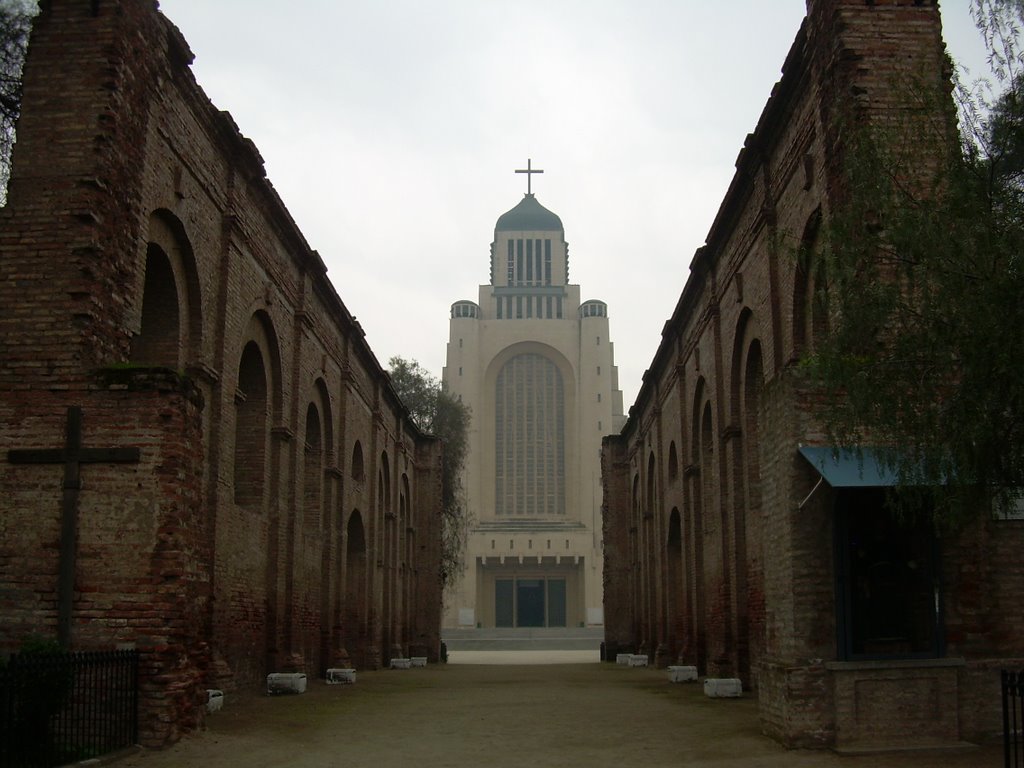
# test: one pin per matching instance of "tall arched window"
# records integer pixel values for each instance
(159, 338)
(312, 471)
(529, 428)
(810, 291)
(170, 319)
(356, 603)
(358, 473)
(251, 428)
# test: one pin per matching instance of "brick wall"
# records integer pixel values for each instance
(733, 568)
(241, 542)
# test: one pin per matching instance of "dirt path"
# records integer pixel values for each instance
(461, 715)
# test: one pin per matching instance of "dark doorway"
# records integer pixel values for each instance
(556, 602)
(503, 605)
(530, 602)
(888, 580)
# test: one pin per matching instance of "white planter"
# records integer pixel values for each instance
(680, 674)
(340, 676)
(723, 687)
(214, 700)
(286, 682)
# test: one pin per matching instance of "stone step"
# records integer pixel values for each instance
(524, 639)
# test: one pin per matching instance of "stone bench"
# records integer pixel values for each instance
(638, 660)
(286, 682)
(401, 663)
(418, 661)
(723, 687)
(682, 674)
(214, 700)
(340, 676)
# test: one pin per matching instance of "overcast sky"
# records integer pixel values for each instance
(392, 131)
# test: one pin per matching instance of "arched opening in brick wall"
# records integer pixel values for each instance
(651, 513)
(636, 574)
(313, 587)
(673, 462)
(810, 290)
(251, 429)
(406, 533)
(700, 484)
(312, 476)
(386, 518)
(170, 318)
(358, 471)
(746, 361)
(384, 486)
(317, 525)
(356, 598)
(158, 342)
(719, 613)
(323, 403)
(676, 588)
(753, 385)
(257, 403)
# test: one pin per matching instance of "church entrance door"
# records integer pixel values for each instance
(504, 606)
(556, 602)
(530, 602)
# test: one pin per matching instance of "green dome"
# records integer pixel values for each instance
(529, 216)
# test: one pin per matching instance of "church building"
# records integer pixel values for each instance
(738, 539)
(201, 458)
(536, 367)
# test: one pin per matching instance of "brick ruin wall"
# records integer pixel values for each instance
(285, 512)
(709, 557)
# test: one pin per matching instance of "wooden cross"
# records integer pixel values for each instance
(72, 456)
(529, 171)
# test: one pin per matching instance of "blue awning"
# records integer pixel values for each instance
(843, 468)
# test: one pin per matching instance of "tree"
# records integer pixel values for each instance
(438, 413)
(15, 25)
(924, 258)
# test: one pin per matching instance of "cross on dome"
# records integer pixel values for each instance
(529, 171)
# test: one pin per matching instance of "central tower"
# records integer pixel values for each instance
(536, 367)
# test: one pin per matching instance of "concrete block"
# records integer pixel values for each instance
(286, 682)
(401, 663)
(638, 660)
(682, 674)
(340, 676)
(623, 658)
(418, 661)
(214, 700)
(722, 687)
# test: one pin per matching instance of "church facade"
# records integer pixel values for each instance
(535, 365)
(202, 459)
(737, 539)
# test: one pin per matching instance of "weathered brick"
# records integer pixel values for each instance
(151, 275)
(715, 553)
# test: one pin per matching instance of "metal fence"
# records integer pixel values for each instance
(58, 708)
(1013, 719)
